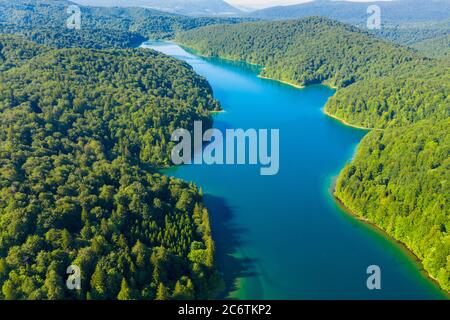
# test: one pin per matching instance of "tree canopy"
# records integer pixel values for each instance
(45, 23)
(82, 134)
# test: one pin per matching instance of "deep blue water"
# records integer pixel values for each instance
(283, 236)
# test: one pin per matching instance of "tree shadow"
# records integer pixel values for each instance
(228, 238)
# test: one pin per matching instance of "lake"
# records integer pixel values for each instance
(284, 236)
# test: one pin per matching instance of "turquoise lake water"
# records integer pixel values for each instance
(283, 236)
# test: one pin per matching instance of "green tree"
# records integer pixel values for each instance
(125, 292)
(54, 285)
(162, 292)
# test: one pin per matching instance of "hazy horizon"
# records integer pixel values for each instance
(249, 4)
(257, 4)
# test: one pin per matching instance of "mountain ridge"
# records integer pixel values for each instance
(187, 7)
(398, 11)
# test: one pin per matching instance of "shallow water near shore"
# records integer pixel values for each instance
(284, 236)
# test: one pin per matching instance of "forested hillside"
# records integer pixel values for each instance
(412, 33)
(403, 21)
(15, 51)
(380, 84)
(415, 91)
(438, 47)
(306, 51)
(185, 7)
(393, 12)
(431, 39)
(45, 23)
(82, 132)
(399, 178)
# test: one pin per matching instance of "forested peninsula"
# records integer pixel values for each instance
(399, 178)
(82, 134)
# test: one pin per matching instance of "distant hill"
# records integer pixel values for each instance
(187, 7)
(44, 22)
(393, 12)
(435, 48)
(303, 52)
(403, 21)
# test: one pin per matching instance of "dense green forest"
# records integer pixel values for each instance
(400, 180)
(380, 84)
(438, 47)
(45, 23)
(415, 91)
(393, 12)
(82, 134)
(430, 39)
(303, 52)
(184, 7)
(399, 177)
(403, 21)
(412, 33)
(15, 51)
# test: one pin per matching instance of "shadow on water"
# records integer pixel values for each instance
(228, 238)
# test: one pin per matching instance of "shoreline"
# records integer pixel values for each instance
(215, 112)
(419, 262)
(259, 75)
(282, 81)
(344, 122)
(338, 202)
(348, 211)
(197, 53)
